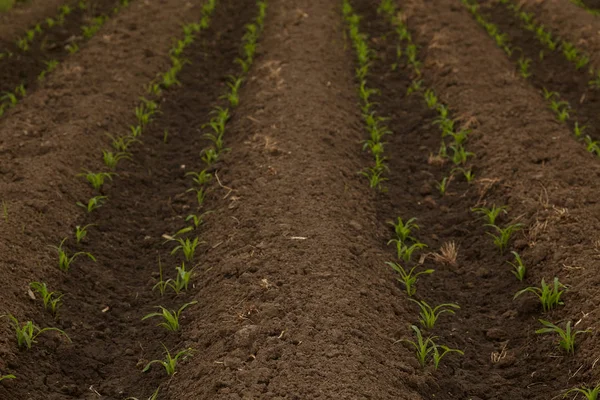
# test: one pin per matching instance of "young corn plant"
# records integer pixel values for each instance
(431, 99)
(197, 219)
(51, 300)
(200, 178)
(182, 279)
(467, 173)
(97, 179)
(404, 229)
(566, 336)
(429, 315)
(170, 362)
(121, 143)
(9, 376)
(588, 393)
(524, 65)
(162, 285)
(93, 203)
(153, 396)
(209, 156)
(200, 194)
(374, 175)
(519, 269)
(28, 333)
(404, 251)
(460, 155)
(187, 247)
(81, 232)
(112, 159)
(170, 318)
(234, 85)
(437, 356)
(490, 214)
(64, 260)
(425, 347)
(503, 236)
(578, 130)
(442, 185)
(408, 278)
(548, 295)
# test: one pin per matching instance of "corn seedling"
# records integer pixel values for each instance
(460, 155)
(232, 96)
(490, 214)
(50, 66)
(209, 156)
(182, 279)
(51, 300)
(588, 393)
(403, 229)
(153, 396)
(197, 219)
(524, 64)
(426, 346)
(548, 94)
(162, 284)
(81, 232)
(415, 86)
(437, 356)
(404, 251)
(64, 261)
(566, 336)
(548, 295)
(430, 99)
(187, 247)
(592, 145)
(442, 185)
(410, 278)
(429, 315)
(97, 179)
(112, 159)
(200, 178)
(122, 143)
(169, 363)
(519, 269)
(200, 194)
(504, 234)
(136, 131)
(72, 48)
(171, 318)
(467, 173)
(578, 130)
(9, 376)
(27, 333)
(93, 203)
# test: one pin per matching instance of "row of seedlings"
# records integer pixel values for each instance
(9, 99)
(427, 351)
(27, 333)
(453, 136)
(184, 243)
(549, 295)
(559, 106)
(594, 11)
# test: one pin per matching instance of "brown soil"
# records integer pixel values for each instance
(294, 298)
(24, 66)
(23, 16)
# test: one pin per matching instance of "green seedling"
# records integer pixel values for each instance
(93, 203)
(403, 229)
(519, 269)
(460, 155)
(209, 156)
(415, 86)
(50, 66)
(504, 234)
(200, 178)
(567, 336)
(578, 130)
(28, 333)
(153, 396)
(592, 145)
(162, 284)
(429, 315)
(442, 185)
(122, 143)
(9, 376)
(51, 300)
(97, 179)
(9, 98)
(232, 96)
(187, 247)
(72, 48)
(426, 346)
(524, 64)
(431, 99)
(548, 295)
(136, 131)
(112, 159)
(182, 279)
(405, 252)
(169, 363)
(374, 175)
(64, 261)
(410, 278)
(588, 393)
(200, 194)
(197, 219)
(490, 214)
(171, 318)
(81, 232)
(467, 173)
(548, 94)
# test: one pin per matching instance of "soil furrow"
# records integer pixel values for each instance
(511, 147)
(550, 70)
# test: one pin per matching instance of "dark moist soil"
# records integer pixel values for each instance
(24, 67)
(105, 301)
(592, 4)
(554, 72)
